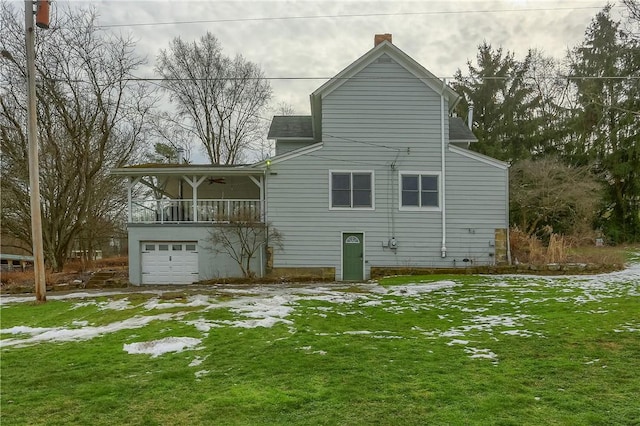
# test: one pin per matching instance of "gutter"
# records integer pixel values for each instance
(443, 249)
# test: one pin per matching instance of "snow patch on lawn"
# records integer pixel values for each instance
(197, 361)
(262, 312)
(480, 353)
(308, 350)
(61, 334)
(77, 295)
(520, 333)
(415, 289)
(156, 348)
(628, 327)
(192, 302)
(203, 325)
(200, 374)
(485, 323)
(457, 342)
(115, 305)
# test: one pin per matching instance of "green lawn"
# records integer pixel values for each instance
(408, 350)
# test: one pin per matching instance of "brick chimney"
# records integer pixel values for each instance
(379, 38)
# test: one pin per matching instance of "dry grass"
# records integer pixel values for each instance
(72, 270)
(607, 255)
(78, 265)
(561, 249)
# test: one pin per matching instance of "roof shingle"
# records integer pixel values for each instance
(290, 126)
(459, 132)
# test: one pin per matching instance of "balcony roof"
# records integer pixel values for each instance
(157, 169)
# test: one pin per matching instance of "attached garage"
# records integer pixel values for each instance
(169, 262)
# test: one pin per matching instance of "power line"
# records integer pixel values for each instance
(354, 15)
(362, 142)
(552, 77)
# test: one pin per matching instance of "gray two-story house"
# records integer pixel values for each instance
(379, 175)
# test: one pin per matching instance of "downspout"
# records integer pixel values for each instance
(443, 249)
(263, 201)
(508, 221)
(470, 120)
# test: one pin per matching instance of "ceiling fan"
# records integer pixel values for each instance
(213, 180)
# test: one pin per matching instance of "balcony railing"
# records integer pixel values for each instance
(182, 211)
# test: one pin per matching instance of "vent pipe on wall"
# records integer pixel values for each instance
(470, 118)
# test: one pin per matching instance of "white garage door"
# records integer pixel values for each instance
(169, 262)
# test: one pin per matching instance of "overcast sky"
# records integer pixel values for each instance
(440, 35)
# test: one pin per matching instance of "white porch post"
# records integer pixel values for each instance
(129, 200)
(195, 183)
(130, 184)
(260, 184)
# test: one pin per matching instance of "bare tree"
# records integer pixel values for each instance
(242, 237)
(91, 119)
(219, 97)
(549, 195)
(633, 18)
(265, 148)
(170, 136)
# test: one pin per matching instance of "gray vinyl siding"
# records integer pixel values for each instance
(477, 201)
(210, 264)
(284, 146)
(386, 121)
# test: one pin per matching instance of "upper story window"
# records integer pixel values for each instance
(419, 190)
(351, 190)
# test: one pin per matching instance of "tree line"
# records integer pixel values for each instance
(570, 128)
(577, 118)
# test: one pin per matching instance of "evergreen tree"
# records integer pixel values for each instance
(504, 103)
(605, 122)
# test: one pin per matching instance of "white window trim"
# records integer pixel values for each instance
(373, 190)
(419, 208)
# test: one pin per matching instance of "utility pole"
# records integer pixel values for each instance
(32, 138)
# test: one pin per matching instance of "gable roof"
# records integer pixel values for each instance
(386, 47)
(300, 127)
(459, 132)
(291, 126)
(479, 157)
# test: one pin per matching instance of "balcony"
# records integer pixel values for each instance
(205, 211)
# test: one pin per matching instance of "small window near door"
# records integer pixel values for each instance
(190, 247)
(176, 247)
(163, 247)
(150, 247)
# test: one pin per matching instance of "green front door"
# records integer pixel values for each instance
(352, 256)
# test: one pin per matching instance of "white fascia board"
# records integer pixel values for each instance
(292, 138)
(463, 140)
(479, 157)
(291, 154)
(191, 171)
(400, 57)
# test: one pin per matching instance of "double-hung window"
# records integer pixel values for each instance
(419, 190)
(351, 190)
